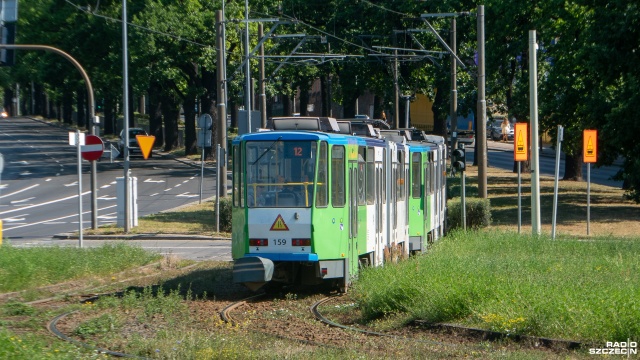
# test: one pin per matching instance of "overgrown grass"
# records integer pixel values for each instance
(23, 268)
(580, 290)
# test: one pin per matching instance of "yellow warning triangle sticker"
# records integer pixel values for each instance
(279, 224)
(146, 143)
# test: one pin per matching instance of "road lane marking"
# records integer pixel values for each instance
(21, 201)
(18, 191)
(56, 219)
(45, 203)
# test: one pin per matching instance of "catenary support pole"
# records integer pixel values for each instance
(481, 114)
(535, 148)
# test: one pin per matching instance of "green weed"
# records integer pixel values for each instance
(572, 289)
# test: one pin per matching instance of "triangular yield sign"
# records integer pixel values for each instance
(146, 143)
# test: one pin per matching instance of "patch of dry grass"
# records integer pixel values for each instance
(611, 213)
(193, 219)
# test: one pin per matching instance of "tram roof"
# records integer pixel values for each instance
(292, 135)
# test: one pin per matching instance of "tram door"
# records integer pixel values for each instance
(354, 219)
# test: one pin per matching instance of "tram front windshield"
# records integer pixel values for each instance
(280, 173)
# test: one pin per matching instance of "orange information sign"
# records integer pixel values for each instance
(590, 146)
(520, 142)
(146, 143)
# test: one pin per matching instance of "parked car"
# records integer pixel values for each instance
(494, 130)
(134, 148)
(4, 113)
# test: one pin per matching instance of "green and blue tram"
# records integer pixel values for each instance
(311, 207)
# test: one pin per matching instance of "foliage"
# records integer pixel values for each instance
(225, 214)
(587, 60)
(478, 213)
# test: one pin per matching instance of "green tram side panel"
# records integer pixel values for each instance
(417, 219)
(239, 236)
(330, 234)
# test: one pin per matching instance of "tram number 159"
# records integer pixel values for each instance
(279, 242)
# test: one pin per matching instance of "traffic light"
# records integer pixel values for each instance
(458, 159)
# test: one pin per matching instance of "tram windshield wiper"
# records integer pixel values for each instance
(266, 151)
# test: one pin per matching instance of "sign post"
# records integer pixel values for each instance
(560, 137)
(92, 151)
(589, 155)
(78, 139)
(520, 154)
(205, 123)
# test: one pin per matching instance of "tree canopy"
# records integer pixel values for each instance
(588, 54)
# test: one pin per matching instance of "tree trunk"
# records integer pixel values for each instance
(439, 119)
(132, 118)
(573, 168)
(171, 111)
(324, 90)
(110, 116)
(304, 101)
(67, 106)
(155, 112)
(190, 141)
(286, 106)
(80, 108)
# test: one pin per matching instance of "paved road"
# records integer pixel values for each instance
(501, 156)
(39, 184)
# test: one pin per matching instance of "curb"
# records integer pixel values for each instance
(139, 237)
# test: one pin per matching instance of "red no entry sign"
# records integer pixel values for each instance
(93, 148)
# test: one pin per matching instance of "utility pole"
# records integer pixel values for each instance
(395, 88)
(453, 109)
(125, 109)
(247, 71)
(535, 159)
(263, 95)
(481, 113)
(221, 128)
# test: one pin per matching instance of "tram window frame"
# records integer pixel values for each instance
(370, 176)
(400, 181)
(236, 175)
(416, 175)
(338, 161)
(384, 177)
(322, 185)
(361, 185)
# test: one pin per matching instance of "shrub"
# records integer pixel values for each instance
(225, 214)
(478, 213)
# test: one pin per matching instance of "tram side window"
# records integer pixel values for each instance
(361, 175)
(400, 174)
(415, 174)
(337, 176)
(322, 195)
(371, 192)
(238, 188)
(384, 178)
